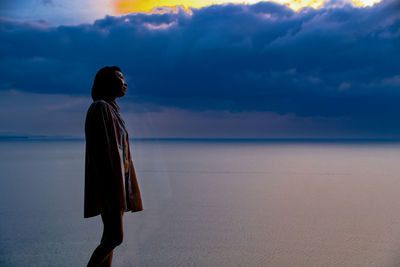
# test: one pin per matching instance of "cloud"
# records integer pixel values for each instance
(129, 6)
(332, 62)
(24, 113)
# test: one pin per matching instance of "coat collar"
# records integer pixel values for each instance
(114, 104)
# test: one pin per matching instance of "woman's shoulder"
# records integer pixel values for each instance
(99, 107)
(100, 104)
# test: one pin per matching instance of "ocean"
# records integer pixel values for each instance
(210, 203)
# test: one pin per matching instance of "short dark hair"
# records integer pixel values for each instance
(104, 83)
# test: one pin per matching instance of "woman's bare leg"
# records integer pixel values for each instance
(112, 237)
(107, 262)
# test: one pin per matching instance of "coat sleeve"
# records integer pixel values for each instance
(135, 196)
(106, 158)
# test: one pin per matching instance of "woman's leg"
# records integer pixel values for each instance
(108, 260)
(112, 237)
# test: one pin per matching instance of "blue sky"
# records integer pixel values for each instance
(56, 12)
(233, 71)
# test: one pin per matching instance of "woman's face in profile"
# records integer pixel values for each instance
(121, 87)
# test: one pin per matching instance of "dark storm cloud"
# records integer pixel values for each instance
(330, 62)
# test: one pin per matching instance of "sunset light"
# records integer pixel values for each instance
(128, 6)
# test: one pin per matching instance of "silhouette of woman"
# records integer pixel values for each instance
(111, 187)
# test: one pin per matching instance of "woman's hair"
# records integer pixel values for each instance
(104, 83)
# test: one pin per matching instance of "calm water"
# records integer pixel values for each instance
(210, 204)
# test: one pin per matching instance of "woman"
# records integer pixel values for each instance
(111, 186)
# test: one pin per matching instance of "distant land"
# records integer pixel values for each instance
(28, 137)
(38, 138)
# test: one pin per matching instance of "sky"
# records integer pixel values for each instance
(305, 69)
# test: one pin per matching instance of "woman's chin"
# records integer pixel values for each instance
(121, 94)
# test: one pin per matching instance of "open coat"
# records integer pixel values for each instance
(110, 178)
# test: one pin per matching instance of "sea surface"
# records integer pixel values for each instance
(210, 203)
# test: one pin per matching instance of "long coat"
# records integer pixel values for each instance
(110, 178)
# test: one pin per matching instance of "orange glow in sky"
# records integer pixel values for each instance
(128, 6)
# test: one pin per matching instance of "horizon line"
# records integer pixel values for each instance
(210, 139)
